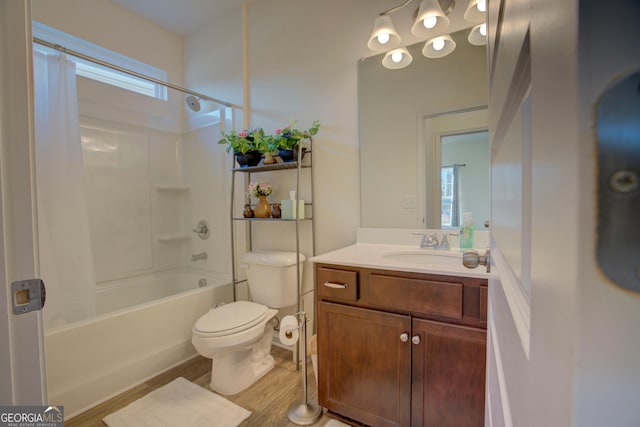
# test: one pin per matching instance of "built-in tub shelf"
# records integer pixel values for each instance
(176, 188)
(170, 237)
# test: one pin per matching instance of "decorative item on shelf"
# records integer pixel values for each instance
(263, 209)
(247, 145)
(269, 159)
(275, 210)
(293, 208)
(261, 190)
(291, 155)
(288, 140)
(248, 212)
(250, 158)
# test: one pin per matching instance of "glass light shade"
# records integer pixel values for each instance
(396, 59)
(473, 13)
(431, 52)
(383, 25)
(429, 8)
(476, 37)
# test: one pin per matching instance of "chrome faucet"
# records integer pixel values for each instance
(199, 256)
(431, 241)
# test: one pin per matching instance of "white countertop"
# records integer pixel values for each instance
(401, 258)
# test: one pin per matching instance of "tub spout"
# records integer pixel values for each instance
(199, 256)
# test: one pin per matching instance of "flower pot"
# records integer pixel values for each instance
(291, 155)
(250, 158)
(268, 159)
(263, 209)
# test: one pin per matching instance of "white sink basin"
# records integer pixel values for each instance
(426, 257)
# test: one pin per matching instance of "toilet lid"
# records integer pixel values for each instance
(230, 318)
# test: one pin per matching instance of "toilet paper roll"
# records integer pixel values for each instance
(289, 330)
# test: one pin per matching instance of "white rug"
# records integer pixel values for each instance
(179, 403)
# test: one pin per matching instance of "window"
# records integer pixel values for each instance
(101, 73)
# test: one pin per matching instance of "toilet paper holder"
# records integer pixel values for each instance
(302, 412)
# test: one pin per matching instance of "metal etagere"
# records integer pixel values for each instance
(297, 166)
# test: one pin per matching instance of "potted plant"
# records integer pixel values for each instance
(288, 140)
(247, 145)
(269, 146)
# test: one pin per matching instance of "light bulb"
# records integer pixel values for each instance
(438, 44)
(483, 29)
(396, 56)
(430, 21)
(383, 38)
(482, 5)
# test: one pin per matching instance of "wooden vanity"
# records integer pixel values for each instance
(401, 348)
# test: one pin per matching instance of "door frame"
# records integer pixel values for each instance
(22, 357)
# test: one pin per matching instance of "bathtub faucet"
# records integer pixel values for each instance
(198, 256)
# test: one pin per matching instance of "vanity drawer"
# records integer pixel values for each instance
(415, 295)
(337, 284)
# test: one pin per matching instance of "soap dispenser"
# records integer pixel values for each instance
(466, 232)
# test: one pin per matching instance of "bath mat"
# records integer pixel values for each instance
(335, 423)
(179, 403)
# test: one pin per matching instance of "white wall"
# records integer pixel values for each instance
(302, 65)
(106, 24)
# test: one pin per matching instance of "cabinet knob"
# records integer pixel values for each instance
(415, 339)
(404, 337)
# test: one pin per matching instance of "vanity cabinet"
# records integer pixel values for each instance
(401, 349)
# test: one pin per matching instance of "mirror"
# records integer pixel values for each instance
(403, 116)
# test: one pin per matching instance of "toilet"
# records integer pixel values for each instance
(237, 336)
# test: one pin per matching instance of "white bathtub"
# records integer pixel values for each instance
(93, 360)
(118, 294)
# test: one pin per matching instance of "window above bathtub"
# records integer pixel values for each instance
(99, 72)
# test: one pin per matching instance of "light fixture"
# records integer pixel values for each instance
(397, 58)
(430, 23)
(478, 35)
(438, 47)
(430, 19)
(476, 10)
(384, 36)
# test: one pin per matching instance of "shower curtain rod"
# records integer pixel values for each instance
(130, 72)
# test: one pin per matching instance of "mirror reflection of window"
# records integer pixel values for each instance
(464, 179)
(449, 197)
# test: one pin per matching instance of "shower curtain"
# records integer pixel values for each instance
(66, 260)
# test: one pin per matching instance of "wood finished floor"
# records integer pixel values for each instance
(267, 399)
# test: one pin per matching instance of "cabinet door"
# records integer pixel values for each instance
(364, 365)
(448, 375)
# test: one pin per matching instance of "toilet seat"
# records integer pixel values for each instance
(229, 319)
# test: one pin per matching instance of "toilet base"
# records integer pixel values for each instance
(234, 370)
(233, 376)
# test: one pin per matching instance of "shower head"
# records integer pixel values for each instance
(193, 103)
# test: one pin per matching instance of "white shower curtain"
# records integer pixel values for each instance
(66, 260)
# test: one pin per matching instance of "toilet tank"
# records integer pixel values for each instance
(271, 276)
